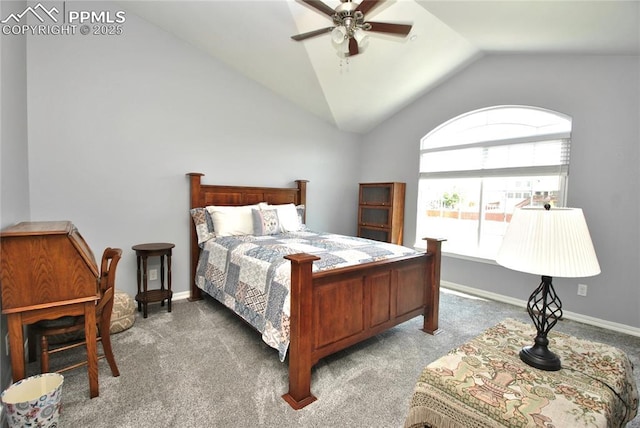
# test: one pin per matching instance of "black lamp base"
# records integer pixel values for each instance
(540, 357)
(544, 308)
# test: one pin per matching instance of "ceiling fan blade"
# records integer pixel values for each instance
(310, 34)
(387, 27)
(318, 5)
(367, 5)
(353, 47)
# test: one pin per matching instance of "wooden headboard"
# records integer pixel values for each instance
(203, 195)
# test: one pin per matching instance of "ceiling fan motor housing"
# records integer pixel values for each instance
(348, 17)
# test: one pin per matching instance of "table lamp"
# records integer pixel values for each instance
(548, 242)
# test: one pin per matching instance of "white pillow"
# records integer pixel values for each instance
(288, 217)
(231, 221)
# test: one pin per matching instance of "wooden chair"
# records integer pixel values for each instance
(74, 326)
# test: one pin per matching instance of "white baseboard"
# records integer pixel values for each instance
(183, 295)
(621, 328)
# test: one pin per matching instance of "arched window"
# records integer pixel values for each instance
(477, 168)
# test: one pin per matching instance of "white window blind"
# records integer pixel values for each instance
(498, 158)
(477, 168)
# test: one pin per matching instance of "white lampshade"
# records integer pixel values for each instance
(553, 242)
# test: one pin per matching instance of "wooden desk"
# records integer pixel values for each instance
(47, 271)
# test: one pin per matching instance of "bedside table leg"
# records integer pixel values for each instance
(139, 282)
(162, 277)
(169, 282)
(144, 286)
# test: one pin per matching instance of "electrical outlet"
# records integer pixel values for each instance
(582, 289)
(153, 274)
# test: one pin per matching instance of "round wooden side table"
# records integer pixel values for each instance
(145, 296)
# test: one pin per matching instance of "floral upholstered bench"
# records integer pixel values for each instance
(483, 383)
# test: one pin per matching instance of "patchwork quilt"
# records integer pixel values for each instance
(249, 274)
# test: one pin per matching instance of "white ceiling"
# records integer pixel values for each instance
(253, 37)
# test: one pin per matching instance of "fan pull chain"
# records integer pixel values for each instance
(346, 67)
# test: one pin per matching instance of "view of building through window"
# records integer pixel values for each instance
(470, 185)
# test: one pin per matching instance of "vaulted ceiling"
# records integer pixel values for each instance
(254, 38)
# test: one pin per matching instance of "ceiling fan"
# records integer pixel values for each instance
(349, 23)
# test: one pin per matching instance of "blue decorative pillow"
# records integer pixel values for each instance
(265, 222)
(203, 223)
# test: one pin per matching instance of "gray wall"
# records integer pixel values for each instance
(14, 179)
(602, 96)
(116, 122)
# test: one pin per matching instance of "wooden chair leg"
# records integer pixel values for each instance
(108, 353)
(44, 354)
(32, 343)
(105, 338)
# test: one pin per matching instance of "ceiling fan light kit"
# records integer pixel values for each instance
(338, 35)
(348, 35)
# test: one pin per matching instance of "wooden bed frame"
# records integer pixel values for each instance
(332, 310)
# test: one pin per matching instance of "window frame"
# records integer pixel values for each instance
(561, 170)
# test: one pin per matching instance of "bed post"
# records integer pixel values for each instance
(301, 326)
(194, 291)
(432, 304)
(302, 194)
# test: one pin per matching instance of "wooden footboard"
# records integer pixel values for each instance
(335, 309)
(332, 310)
